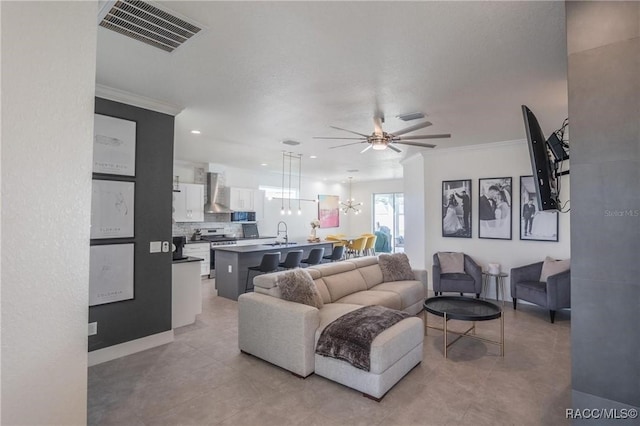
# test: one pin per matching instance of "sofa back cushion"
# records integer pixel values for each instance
(345, 283)
(370, 270)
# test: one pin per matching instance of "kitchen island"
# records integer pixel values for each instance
(232, 262)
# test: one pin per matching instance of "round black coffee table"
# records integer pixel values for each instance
(464, 309)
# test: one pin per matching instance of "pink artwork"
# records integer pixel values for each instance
(329, 211)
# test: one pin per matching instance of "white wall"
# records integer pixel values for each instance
(485, 161)
(298, 226)
(415, 244)
(363, 192)
(48, 79)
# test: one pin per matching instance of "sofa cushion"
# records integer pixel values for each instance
(451, 263)
(456, 277)
(532, 291)
(372, 275)
(387, 299)
(410, 292)
(395, 267)
(297, 286)
(343, 284)
(551, 267)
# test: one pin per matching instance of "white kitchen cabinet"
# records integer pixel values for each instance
(201, 250)
(241, 199)
(258, 204)
(188, 204)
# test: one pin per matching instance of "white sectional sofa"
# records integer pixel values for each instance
(285, 333)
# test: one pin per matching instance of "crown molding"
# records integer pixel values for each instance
(140, 101)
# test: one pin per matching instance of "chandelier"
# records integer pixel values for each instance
(351, 204)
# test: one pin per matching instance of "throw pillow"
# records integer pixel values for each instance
(552, 267)
(451, 263)
(298, 286)
(395, 267)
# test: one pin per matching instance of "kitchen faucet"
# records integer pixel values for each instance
(286, 233)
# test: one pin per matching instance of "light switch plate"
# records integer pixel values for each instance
(165, 246)
(230, 269)
(155, 246)
(93, 328)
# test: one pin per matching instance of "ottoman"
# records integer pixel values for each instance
(394, 353)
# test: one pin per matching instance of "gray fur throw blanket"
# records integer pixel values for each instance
(349, 337)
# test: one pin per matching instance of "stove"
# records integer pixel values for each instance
(216, 238)
(220, 241)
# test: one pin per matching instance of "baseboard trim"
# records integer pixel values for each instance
(127, 348)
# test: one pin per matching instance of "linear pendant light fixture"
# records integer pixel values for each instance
(351, 204)
(290, 156)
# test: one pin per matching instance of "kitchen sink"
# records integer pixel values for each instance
(280, 244)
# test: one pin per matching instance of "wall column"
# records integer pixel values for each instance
(603, 45)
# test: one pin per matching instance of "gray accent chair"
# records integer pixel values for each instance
(554, 294)
(469, 282)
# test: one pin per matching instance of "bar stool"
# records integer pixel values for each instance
(292, 260)
(268, 264)
(336, 254)
(315, 257)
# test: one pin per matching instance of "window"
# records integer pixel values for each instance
(388, 222)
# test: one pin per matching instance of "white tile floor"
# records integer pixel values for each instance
(202, 379)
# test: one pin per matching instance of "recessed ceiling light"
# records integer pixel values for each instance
(353, 171)
(264, 164)
(290, 142)
(195, 132)
(313, 156)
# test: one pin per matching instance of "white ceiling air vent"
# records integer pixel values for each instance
(147, 23)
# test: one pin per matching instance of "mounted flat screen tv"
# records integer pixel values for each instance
(541, 163)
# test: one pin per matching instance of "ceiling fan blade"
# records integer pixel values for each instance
(329, 137)
(412, 128)
(366, 149)
(377, 123)
(350, 131)
(417, 137)
(347, 144)
(390, 146)
(420, 144)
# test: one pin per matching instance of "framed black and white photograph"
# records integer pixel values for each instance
(456, 208)
(110, 273)
(535, 224)
(494, 208)
(114, 146)
(112, 209)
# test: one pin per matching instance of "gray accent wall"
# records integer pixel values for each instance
(603, 40)
(150, 310)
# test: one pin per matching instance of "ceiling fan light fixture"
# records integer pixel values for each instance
(379, 145)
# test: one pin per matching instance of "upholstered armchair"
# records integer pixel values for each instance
(468, 282)
(553, 294)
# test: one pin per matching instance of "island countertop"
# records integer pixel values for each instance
(270, 247)
(232, 263)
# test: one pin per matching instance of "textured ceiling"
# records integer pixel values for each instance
(264, 72)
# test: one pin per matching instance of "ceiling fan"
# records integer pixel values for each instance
(380, 139)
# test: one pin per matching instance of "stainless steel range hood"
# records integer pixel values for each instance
(215, 200)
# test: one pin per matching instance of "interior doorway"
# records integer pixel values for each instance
(388, 222)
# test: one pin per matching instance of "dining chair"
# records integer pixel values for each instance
(268, 264)
(369, 248)
(356, 247)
